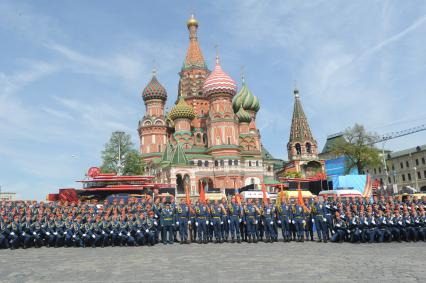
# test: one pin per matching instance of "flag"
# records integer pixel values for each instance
(265, 199)
(188, 200)
(300, 198)
(202, 194)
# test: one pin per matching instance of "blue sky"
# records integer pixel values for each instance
(72, 72)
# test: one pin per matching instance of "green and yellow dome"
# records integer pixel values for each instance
(243, 116)
(245, 99)
(182, 111)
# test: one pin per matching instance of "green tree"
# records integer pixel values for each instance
(358, 148)
(133, 164)
(292, 174)
(119, 156)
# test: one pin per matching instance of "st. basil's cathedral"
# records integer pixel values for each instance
(209, 137)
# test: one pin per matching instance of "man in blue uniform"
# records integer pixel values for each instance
(234, 220)
(182, 218)
(166, 223)
(318, 212)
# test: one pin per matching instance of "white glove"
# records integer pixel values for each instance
(93, 236)
(73, 236)
(255, 222)
(155, 223)
(84, 235)
(324, 219)
(303, 221)
(23, 233)
(384, 221)
(373, 222)
(111, 232)
(177, 222)
(279, 221)
(128, 234)
(400, 222)
(292, 221)
(138, 231)
(417, 221)
(189, 222)
(196, 224)
(366, 222)
(13, 233)
(313, 220)
(103, 232)
(156, 216)
(34, 233)
(65, 232)
(119, 234)
(272, 222)
(55, 233)
(47, 233)
(211, 223)
(221, 222)
(349, 231)
(147, 230)
(391, 222)
(407, 221)
(229, 221)
(240, 220)
(337, 225)
(207, 222)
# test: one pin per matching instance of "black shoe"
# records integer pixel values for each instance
(199, 241)
(232, 240)
(239, 241)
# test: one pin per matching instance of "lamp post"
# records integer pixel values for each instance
(119, 164)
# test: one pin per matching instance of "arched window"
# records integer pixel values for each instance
(230, 162)
(198, 138)
(222, 163)
(159, 148)
(308, 148)
(298, 149)
(252, 181)
(200, 163)
(206, 163)
(229, 140)
(205, 138)
(250, 163)
(269, 168)
(216, 163)
(217, 140)
(257, 163)
(236, 162)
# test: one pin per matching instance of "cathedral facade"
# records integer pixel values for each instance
(209, 137)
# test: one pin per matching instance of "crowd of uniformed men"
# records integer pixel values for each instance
(148, 221)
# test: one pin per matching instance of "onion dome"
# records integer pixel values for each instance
(243, 116)
(154, 90)
(219, 82)
(245, 99)
(192, 21)
(182, 110)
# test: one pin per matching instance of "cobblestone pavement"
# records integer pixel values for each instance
(293, 262)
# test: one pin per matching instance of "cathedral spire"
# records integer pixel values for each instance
(301, 144)
(194, 57)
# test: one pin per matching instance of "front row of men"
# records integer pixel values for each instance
(218, 222)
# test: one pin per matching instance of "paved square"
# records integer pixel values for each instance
(307, 262)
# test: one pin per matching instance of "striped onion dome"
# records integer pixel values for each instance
(245, 99)
(243, 116)
(219, 82)
(154, 90)
(182, 110)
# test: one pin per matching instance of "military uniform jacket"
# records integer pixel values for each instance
(167, 217)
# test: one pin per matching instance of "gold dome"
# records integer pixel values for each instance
(192, 21)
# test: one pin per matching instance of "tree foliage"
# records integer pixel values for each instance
(130, 161)
(357, 146)
(292, 174)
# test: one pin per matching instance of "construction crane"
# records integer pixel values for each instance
(393, 135)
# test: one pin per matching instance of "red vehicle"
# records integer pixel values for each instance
(100, 186)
